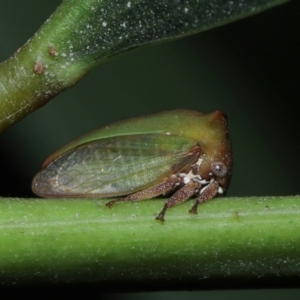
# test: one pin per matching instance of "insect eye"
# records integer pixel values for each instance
(219, 169)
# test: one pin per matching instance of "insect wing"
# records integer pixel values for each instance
(115, 166)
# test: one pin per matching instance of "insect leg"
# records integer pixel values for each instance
(156, 190)
(150, 192)
(210, 192)
(180, 196)
(112, 202)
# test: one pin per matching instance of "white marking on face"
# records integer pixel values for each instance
(186, 180)
(199, 161)
(220, 190)
(190, 174)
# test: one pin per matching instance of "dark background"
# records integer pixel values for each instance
(249, 69)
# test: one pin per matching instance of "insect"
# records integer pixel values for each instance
(181, 152)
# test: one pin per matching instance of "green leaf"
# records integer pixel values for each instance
(81, 34)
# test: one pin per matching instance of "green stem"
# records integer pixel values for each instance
(81, 34)
(236, 240)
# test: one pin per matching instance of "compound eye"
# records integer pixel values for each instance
(219, 169)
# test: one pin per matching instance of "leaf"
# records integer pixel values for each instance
(81, 34)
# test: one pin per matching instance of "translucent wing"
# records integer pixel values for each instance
(115, 166)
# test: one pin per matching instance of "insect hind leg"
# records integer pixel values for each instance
(112, 202)
(151, 192)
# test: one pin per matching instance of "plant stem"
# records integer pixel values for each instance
(237, 241)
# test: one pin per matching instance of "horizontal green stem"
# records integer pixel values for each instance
(236, 241)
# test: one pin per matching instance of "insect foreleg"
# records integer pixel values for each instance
(208, 193)
(180, 196)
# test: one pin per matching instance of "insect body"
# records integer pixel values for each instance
(180, 151)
